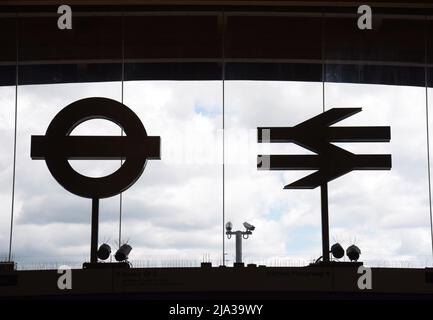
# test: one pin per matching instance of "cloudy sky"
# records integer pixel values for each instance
(174, 211)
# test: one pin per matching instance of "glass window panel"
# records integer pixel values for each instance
(386, 213)
(429, 85)
(7, 103)
(392, 52)
(172, 36)
(273, 35)
(173, 212)
(52, 226)
(172, 215)
(287, 221)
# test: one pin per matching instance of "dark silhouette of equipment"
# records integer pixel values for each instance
(239, 235)
(337, 251)
(123, 252)
(58, 146)
(330, 161)
(104, 251)
(353, 253)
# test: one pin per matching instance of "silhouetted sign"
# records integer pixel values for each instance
(316, 135)
(330, 161)
(58, 146)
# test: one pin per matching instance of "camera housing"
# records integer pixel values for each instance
(248, 226)
(229, 226)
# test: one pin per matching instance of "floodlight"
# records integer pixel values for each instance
(353, 253)
(104, 251)
(123, 252)
(337, 251)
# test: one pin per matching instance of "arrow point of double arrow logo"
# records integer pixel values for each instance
(317, 135)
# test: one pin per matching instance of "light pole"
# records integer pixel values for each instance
(239, 235)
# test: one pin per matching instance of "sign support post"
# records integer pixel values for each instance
(94, 235)
(325, 221)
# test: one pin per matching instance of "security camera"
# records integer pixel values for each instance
(229, 226)
(248, 226)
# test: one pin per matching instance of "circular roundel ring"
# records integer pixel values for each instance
(59, 146)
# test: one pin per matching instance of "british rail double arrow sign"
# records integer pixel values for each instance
(330, 161)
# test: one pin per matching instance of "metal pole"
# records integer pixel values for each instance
(325, 222)
(238, 246)
(94, 235)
